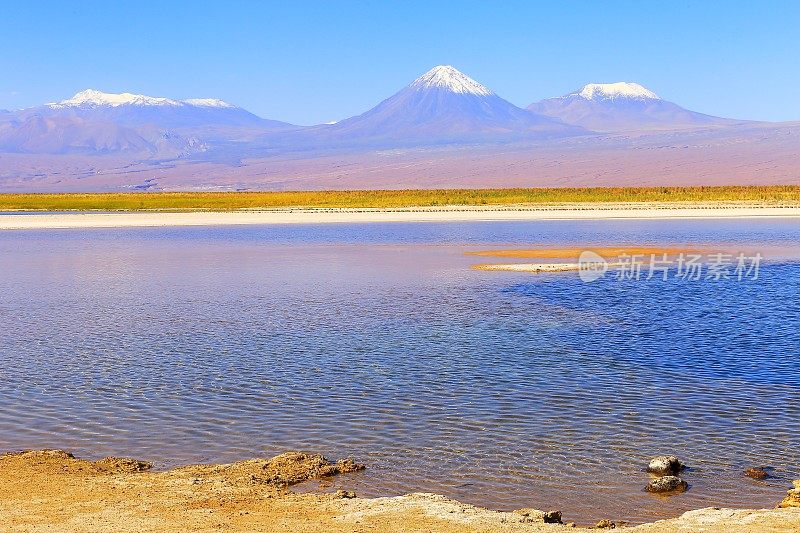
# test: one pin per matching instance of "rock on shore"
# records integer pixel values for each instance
(54, 491)
(793, 497)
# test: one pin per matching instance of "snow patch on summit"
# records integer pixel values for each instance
(612, 91)
(451, 79)
(92, 97)
(207, 102)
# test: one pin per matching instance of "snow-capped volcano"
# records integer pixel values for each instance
(92, 97)
(443, 106)
(621, 106)
(451, 79)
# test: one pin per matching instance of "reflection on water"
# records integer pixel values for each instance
(378, 341)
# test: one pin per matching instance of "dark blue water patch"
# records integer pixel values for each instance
(719, 330)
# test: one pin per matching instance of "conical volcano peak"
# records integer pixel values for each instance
(451, 79)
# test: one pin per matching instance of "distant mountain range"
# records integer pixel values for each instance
(111, 141)
(443, 106)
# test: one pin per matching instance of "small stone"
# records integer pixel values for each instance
(665, 465)
(756, 473)
(571, 524)
(123, 465)
(534, 515)
(605, 524)
(793, 498)
(530, 515)
(667, 484)
(345, 494)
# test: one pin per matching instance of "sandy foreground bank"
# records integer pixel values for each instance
(53, 491)
(441, 214)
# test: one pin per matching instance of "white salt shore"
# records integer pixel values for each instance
(78, 220)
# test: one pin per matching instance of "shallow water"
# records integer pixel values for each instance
(379, 342)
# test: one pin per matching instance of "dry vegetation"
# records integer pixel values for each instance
(225, 201)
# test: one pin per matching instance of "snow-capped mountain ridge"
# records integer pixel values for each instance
(94, 122)
(451, 79)
(94, 98)
(612, 91)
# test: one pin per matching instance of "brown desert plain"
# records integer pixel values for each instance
(749, 154)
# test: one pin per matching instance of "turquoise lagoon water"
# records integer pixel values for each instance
(379, 342)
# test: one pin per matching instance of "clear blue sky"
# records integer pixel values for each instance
(311, 62)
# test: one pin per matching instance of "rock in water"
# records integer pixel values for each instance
(793, 499)
(667, 484)
(756, 473)
(605, 524)
(665, 465)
